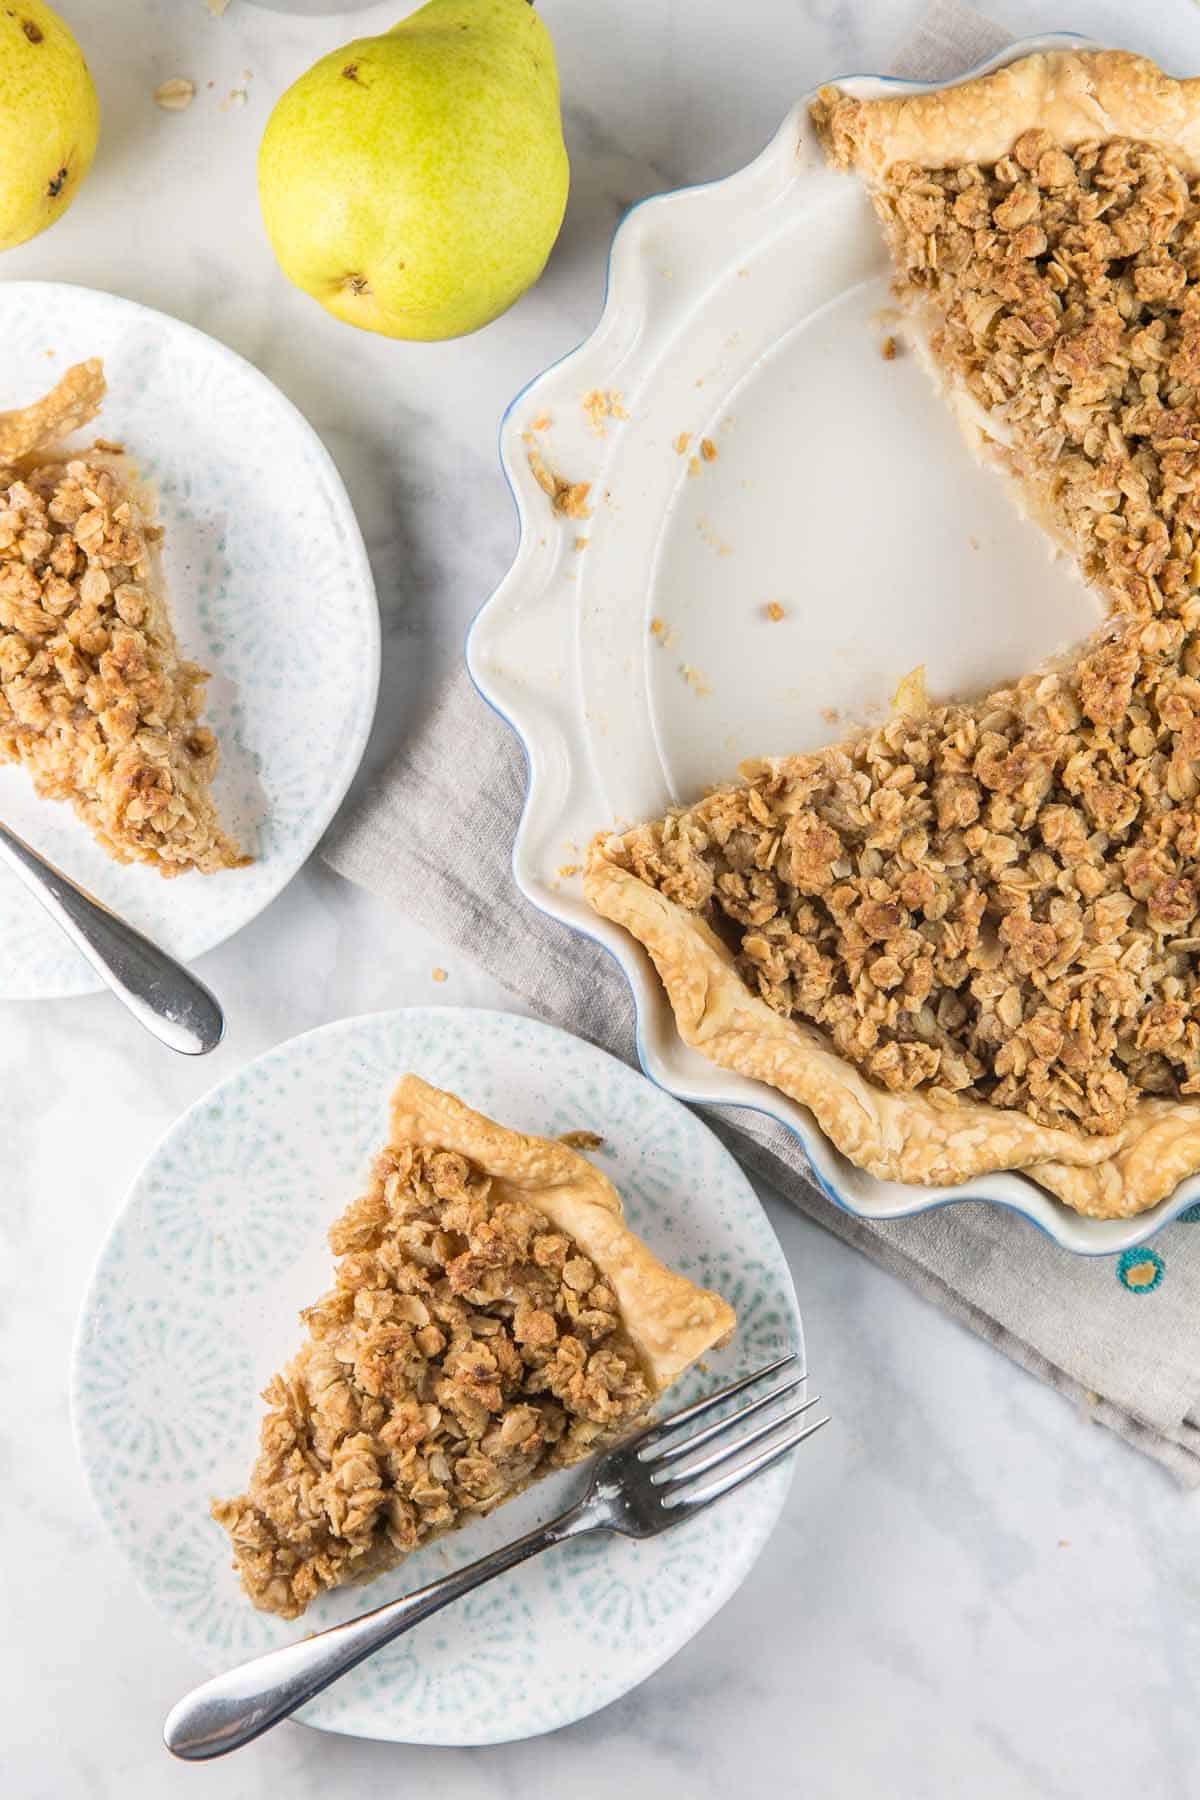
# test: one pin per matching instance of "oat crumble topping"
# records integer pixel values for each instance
(466, 1349)
(95, 700)
(1001, 899)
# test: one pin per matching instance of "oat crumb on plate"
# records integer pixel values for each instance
(708, 450)
(680, 444)
(176, 94)
(439, 975)
(566, 497)
(889, 349)
(775, 612)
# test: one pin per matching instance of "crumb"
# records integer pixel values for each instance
(742, 273)
(439, 974)
(665, 634)
(568, 497)
(50, 353)
(699, 383)
(830, 714)
(710, 537)
(566, 870)
(113, 449)
(1063, 1543)
(889, 349)
(581, 543)
(600, 404)
(217, 9)
(581, 1140)
(176, 94)
(974, 542)
(695, 680)
(235, 97)
(708, 450)
(693, 465)
(681, 443)
(775, 611)
(1092, 1398)
(541, 423)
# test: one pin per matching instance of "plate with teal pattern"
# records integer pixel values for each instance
(269, 588)
(193, 1306)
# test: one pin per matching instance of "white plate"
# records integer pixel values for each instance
(269, 587)
(751, 312)
(193, 1306)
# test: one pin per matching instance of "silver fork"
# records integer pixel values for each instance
(643, 1486)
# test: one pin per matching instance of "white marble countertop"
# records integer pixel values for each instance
(974, 1589)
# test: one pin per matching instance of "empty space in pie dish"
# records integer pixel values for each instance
(841, 536)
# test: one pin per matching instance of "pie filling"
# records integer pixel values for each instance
(469, 1346)
(95, 700)
(999, 901)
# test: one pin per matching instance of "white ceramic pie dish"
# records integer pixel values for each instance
(640, 666)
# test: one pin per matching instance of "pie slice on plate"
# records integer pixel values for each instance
(967, 939)
(95, 700)
(493, 1318)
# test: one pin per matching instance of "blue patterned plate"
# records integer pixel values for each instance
(270, 590)
(193, 1306)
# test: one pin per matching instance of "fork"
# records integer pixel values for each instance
(160, 993)
(644, 1485)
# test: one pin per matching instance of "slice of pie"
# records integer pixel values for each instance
(95, 700)
(967, 939)
(493, 1318)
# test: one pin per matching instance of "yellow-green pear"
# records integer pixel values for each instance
(49, 118)
(414, 183)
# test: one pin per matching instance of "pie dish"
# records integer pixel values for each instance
(192, 1308)
(746, 319)
(965, 939)
(95, 700)
(493, 1319)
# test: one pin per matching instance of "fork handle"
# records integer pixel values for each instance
(235, 1708)
(160, 993)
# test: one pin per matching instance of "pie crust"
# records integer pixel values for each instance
(493, 1319)
(1056, 105)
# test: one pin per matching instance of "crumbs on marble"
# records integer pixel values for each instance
(664, 635)
(581, 1140)
(239, 95)
(601, 404)
(774, 611)
(566, 497)
(439, 975)
(175, 95)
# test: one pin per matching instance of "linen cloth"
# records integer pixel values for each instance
(434, 836)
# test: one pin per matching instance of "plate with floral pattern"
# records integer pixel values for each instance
(193, 1306)
(270, 591)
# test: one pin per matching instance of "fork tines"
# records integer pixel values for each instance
(728, 1463)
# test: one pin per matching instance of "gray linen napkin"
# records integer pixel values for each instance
(434, 835)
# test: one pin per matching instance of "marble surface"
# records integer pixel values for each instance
(974, 1589)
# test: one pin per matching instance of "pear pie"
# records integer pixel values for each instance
(95, 700)
(493, 1318)
(967, 939)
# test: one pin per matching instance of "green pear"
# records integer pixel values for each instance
(49, 119)
(414, 183)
